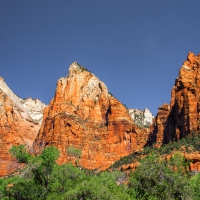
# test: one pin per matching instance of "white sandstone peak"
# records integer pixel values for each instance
(141, 117)
(35, 109)
(29, 109)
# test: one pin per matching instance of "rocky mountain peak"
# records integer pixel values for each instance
(35, 109)
(20, 120)
(75, 67)
(16, 100)
(84, 90)
(30, 109)
(142, 118)
(84, 115)
(182, 116)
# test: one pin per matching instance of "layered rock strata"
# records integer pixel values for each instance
(16, 126)
(84, 115)
(182, 116)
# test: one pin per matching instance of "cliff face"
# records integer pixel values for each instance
(34, 108)
(182, 116)
(142, 118)
(16, 127)
(84, 115)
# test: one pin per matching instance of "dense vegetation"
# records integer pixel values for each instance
(154, 179)
(189, 144)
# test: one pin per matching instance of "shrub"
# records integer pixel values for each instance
(154, 180)
(74, 152)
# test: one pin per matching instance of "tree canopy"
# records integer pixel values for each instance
(42, 178)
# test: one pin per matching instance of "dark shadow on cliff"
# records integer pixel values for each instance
(174, 127)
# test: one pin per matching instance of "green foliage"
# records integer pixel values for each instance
(99, 187)
(42, 179)
(189, 142)
(74, 152)
(125, 160)
(20, 153)
(37, 175)
(49, 156)
(179, 163)
(154, 180)
(65, 177)
(4, 185)
(24, 189)
(195, 185)
(83, 68)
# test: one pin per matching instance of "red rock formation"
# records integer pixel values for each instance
(194, 159)
(159, 129)
(84, 115)
(183, 115)
(16, 127)
(129, 167)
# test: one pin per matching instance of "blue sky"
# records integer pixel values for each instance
(135, 47)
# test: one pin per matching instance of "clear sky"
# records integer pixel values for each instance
(135, 47)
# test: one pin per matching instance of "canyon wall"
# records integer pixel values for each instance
(84, 115)
(17, 125)
(182, 116)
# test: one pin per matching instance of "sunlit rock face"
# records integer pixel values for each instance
(35, 109)
(182, 116)
(84, 115)
(16, 126)
(142, 118)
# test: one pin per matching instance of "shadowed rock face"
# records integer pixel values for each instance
(84, 115)
(182, 116)
(16, 126)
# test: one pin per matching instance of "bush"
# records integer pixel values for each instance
(195, 185)
(20, 153)
(74, 152)
(154, 180)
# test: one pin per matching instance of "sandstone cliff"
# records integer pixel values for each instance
(84, 115)
(182, 116)
(142, 118)
(34, 108)
(17, 125)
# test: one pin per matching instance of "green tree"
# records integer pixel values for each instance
(20, 153)
(178, 163)
(99, 187)
(153, 179)
(195, 185)
(33, 182)
(65, 178)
